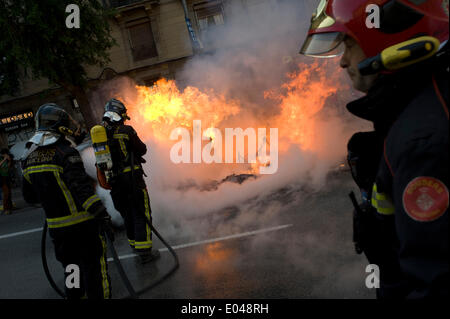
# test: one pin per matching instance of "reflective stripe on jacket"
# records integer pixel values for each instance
(54, 176)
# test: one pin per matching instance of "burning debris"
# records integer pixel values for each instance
(214, 185)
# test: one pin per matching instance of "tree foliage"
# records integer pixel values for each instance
(9, 75)
(36, 37)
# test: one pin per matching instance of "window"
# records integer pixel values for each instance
(142, 42)
(209, 14)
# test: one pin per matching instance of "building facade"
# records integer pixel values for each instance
(155, 38)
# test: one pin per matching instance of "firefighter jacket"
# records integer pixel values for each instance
(128, 189)
(123, 140)
(54, 176)
(406, 177)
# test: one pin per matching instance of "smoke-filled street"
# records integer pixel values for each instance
(305, 251)
(260, 213)
(215, 150)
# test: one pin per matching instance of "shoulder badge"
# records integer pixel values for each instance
(425, 199)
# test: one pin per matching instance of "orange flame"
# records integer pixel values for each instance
(297, 103)
(306, 93)
(213, 255)
(162, 108)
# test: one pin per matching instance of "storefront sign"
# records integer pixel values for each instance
(16, 121)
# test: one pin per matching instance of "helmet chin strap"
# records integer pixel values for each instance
(65, 130)
(74, 139)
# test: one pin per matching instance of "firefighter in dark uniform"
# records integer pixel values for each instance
(401, 167)
(128, 189)
(54, 176)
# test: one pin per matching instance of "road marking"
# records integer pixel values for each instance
(34, 230)
(208, 241)
(197, 243)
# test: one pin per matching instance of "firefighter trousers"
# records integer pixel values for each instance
(133, 203)
(83, 245)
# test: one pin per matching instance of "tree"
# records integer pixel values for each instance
(9, 75)
(36, 39)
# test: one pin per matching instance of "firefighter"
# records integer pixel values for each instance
(128, 189)
(401, 166)
(54, 176)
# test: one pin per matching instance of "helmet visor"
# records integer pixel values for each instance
(112, 116)
(324, 45)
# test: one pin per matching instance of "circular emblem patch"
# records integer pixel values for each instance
(425, 198)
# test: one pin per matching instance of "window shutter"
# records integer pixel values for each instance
(142, 43)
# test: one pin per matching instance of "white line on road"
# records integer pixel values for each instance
(21, 233)
(197, 243)
(208, 241)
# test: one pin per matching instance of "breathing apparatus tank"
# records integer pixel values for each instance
(103, 157)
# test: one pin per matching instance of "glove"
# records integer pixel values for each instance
(78, 139)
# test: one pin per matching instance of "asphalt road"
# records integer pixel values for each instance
(302, 251)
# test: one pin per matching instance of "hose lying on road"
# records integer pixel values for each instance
(123, 276)
(44, 263)
(171, 271)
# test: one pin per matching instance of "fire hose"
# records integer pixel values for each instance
(122, 274)
(133, 294)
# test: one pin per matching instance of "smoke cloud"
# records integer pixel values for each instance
(257, 54)
(257, 64)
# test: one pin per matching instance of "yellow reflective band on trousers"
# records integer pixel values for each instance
(91, 200)
(68, 220)
(148, 242)
(104, 271)
(382, 203)
(41, 168)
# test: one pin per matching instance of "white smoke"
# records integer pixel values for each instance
(87, 154)
(256, 48)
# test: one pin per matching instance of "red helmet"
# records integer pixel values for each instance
(432, 8)
(400, 20)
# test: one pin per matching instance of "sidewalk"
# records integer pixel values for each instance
(18, 201)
